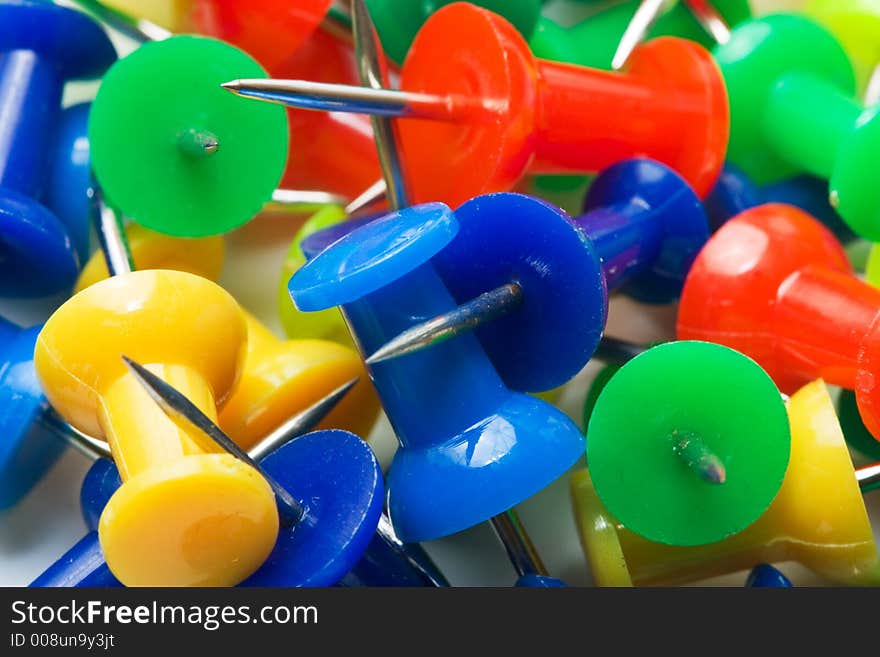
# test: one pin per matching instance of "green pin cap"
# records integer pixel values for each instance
(177, 153)
(688, 443)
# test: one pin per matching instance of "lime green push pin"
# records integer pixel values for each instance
(688, 443)
(175, 152)
(793, 110)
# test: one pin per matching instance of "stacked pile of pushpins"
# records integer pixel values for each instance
(608, 263)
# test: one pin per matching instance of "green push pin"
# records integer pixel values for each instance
(793, 110)
(177, 153)
(688, 443)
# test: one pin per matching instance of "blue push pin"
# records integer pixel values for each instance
(470, 448)
(69, 192)
(41, 46)
(386, 562)
(32, 435)
(338, 486)
(544, 314)
(766, 576)
(735, 192)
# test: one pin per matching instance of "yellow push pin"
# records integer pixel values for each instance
(817, 518)
(187, 514)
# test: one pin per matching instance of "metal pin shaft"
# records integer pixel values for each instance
(709, 19)
(647, 14)
(522, 553)
(372, 69)
(329, 97)
(111, 236)
(178, 408)
(466, 317)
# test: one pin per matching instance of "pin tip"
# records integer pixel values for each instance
(232, 85)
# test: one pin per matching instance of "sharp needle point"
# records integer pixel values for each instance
(177, 407)
(466, 317)
(303, 422)
(330, 97)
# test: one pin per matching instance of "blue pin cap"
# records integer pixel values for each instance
(513, 238)
(78, 46)
(766, 576)
(27, 448)
(647, 224)
(333, 474)
(371, 257)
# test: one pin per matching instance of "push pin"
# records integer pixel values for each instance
(709, 464)
(172, 482)
(276, 376)
(774, 284)
(482, 118)
(215, 163)
(463, 444)
(817, 518)
(38, 256)
(612, 33)
(316, 138)
(735, 192)
(775, 67)
(647, 15)
(84, 565)
(765, 576)
(643, 225)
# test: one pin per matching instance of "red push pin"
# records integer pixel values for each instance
(774, 284)
(483, 111)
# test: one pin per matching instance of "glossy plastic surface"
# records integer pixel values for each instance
(777, 65)
(70, 177)
(632, 457)
(173, 480)
(41, 47)
(334, 474)
(646, 225)
(324, 324)
(512, 238)
(173, 15)
(735, 192)
(333, 151)
(774, 284)
(283, 377)
(268, 30)
(766, 576)
(516, 115)
(469, 449)
(818, 518)
(203, 193)
(27, 447)
(593, 41)
(398, 21)
(201, 256)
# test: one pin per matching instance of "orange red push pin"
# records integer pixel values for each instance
(484, 113)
